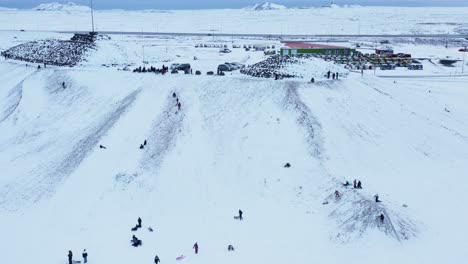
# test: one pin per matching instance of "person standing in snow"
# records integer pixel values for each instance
(381, 217)
(156, 259)
(376, 198)
(333, 76)
(85, 256)
(70, 257)
(139, 222)
(359, 186)
(354, 184)
(179, 105)
(240, 214)
(328, 74)
(195, 246)
(337, 194)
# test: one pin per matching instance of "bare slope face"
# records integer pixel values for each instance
(225, 150)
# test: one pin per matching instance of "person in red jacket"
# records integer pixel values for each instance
(195, 246)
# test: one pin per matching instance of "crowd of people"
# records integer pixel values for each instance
(163, 70)
(51, 52)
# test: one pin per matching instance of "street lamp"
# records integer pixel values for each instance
(92, 16)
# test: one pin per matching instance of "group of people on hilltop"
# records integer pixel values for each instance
(84, 255)
(358, 185)
(333, 75)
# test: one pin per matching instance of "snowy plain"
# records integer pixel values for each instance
(404, 138)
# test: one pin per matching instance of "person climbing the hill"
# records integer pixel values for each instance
(381, 218)
(179, 105)
(63, 85)
(85, 256)
(135, 241)
(337, 75)
(328, 74)
(354, 184)
(173, 94)
(70, 257)
(333, 76)
(144, 143)
(377, 198)
(195, 246)
(141, 146)
(287, 165)
(337, 194)
(359, 186)
(230, 248)
(312, 80)
(139, 222)
(156, 259)
(240, 214)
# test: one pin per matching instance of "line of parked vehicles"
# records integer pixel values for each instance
(230, 66)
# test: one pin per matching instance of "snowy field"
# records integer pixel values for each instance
(352, 20)
(225, 149)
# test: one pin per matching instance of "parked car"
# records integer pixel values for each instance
(224, 67)
(387, 67)
(415, 67)
(174, 66)
(238, 65)
(232, 66)
(225, 50)
(184, 67)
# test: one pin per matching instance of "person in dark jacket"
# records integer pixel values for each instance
(240, 214)
(139, 222)
(354, 184)
(70, 257)
(377, 198)
(381, 217)
(195, 246)
(359, 186)
(156, 260)
(85, 256)
(141, 146)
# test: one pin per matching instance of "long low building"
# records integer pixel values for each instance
(292, 48)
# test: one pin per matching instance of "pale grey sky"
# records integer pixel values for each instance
(204, 4)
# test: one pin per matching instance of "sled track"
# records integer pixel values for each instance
(42, 185)
(305, 119)
(14, 98)
(163, 135)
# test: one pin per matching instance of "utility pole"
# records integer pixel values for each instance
(92, 16)
(463, 65)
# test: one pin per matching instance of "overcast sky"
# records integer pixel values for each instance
(203, 4)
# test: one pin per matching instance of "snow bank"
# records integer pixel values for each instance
(266, 6)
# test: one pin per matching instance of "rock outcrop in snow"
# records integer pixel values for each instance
(69, 6)
(266, 6)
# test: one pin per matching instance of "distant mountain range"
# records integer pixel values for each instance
(68, 6)
(265, 6)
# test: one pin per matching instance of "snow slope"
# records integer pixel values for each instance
(225, 151)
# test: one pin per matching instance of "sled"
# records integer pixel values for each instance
(181, 257)
(236, 217)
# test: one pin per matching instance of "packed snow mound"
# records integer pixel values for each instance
(69, 6)
(52, 52)
(293, 66)
(266, 6)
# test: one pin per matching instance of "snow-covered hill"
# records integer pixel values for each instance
(69, 6)
(266, 6)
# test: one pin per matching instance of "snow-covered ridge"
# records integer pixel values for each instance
(7, 9)
(266, 6)
(69, 6)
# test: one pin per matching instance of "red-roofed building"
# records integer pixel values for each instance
(294, 47)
